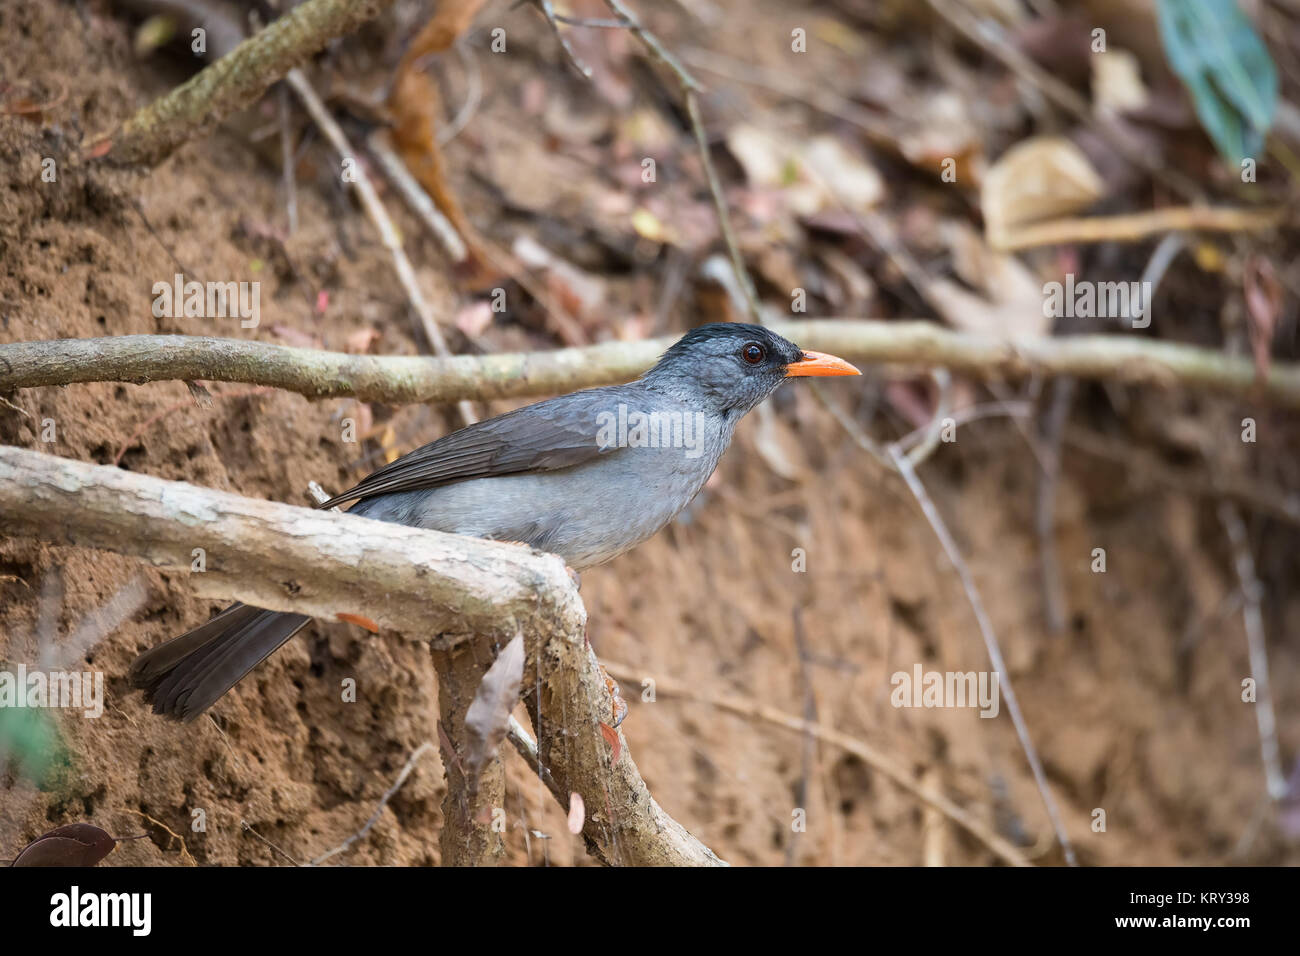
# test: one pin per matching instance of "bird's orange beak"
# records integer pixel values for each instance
(819, 363)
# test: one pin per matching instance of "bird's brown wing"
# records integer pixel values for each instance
(557, 433)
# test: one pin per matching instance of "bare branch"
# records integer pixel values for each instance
(1136, 227)
(406, 379)
(288, 558)
(624, 825)
(454, 591)
(236, 80)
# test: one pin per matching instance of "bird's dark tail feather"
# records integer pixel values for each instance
(186, 675)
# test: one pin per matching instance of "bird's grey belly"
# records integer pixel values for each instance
(587, 514)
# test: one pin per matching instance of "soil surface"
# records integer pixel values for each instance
(1135, 706)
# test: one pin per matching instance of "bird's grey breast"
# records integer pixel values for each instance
(657, 459)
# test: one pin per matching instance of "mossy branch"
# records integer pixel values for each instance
(1132, 359)
(236, 80)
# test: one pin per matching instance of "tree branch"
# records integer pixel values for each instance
(1135, 227)
(236, 80)
(288, 558)
(624, 826)
(446, 588)
(407, 379)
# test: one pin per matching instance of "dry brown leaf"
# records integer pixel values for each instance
(1008, 300)
(152, 34)
(848, 286)
(938, 128)
(489, 712)
(415, 104)
(762, 155)
(971, 313)
(849, 178)
(1117, 84)
(575, 123)
(1037, 179)
(1007, 12)
(76, 844)
(812, 176)
(579, 293)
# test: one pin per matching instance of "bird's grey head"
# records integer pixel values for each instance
(728, 368)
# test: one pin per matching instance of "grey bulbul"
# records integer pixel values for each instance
(586, 476)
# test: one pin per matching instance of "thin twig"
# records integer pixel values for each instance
(410, 190)
(1253, 618)
(592, 22)
(690, 87)
(657, 49)
(379, 216)
(885, 765)
(1162, 257)
(523, 742)
(547, 9)
(786, 84)
(185, 852)
(972, 413)
(287, 177)
(894, 458)
(720, 205)
(347, 844)
(473, 94)
(934, 431)
(950, 548)
(248, 828)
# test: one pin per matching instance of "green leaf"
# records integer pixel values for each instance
(30, 743)
(1214, 49)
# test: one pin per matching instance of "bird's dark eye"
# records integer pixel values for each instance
(753, 353)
